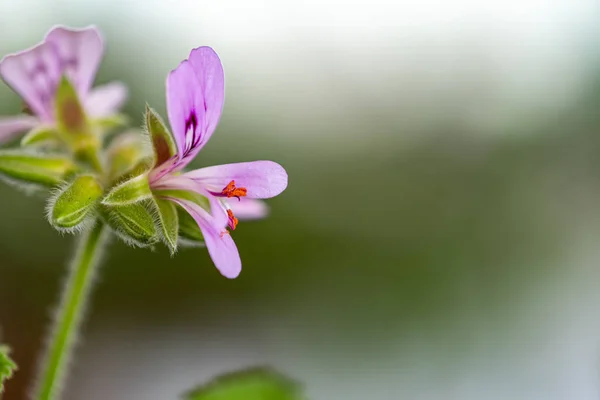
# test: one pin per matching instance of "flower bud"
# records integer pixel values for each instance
(39, 169)
(133, 223)
(131, 191)
(73, 204)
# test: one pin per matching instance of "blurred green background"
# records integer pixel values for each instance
(439, 235)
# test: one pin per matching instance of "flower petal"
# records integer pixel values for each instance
(79, 53)
(249, 209)
(220, 245)
(209, 70)
(185, 107)
(262, 179)
(34, 74)
(180, 182)
(10, 126)
(105, 100)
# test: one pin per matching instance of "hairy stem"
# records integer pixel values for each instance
(70, 312)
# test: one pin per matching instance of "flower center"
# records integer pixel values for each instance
(232, 191)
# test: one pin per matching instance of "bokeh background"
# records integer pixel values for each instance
(440, 234)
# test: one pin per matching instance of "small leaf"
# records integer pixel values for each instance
(73, 204)
(41, 135)
(253, 384)
(162, 140)
(169, 222)
(188, 228)
(127, 154)
(131, 191)
(133, 223)
(47, 170)
(70, 115)
(7, 366)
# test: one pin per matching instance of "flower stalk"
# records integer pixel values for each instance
(72, 306)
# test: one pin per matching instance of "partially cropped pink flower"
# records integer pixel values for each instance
(195, 95)
(35, 73)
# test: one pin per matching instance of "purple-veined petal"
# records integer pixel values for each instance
(79, 53)
(249, 209)
(209, 70)
(11, 126)
(34, 74)
(105, 100)
(220, 245)
(261, 179)
(185, 107)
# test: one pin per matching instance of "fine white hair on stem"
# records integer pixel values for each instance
(76, 288)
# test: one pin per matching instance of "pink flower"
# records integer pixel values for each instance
(195, 96)
(35, 73)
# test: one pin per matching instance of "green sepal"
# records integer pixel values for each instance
(69, 113)
(110, 122)
(42, 135)
(7, 366)
(39, 169)
(127, 156)
(252, 384)
(131, 191)
(74, 203)
(134, 223)
(169, 222)
(189, 231)
(163, 142)
(194, 197)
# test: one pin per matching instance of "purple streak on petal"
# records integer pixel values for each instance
(185, 107)
(162, 170)
(11, 126)
(209, 70)
(105, 100)
(220, 245)
(79, 52)
(249, 209)
(262, 179)
(34, 74)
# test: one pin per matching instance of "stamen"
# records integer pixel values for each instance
(232, 191)
(233, 221)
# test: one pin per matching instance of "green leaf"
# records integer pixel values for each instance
(162, 141)
(75, 202)
(131, 191)
(253, 384)
(70, 115)
(169, 222)
(41, 135)
(188, 228)
(47, 170)
(134, 223)
(7, 366)
(128, 155)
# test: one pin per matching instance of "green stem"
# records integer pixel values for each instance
(70, 312)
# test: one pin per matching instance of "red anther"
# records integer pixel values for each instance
(232, 191)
